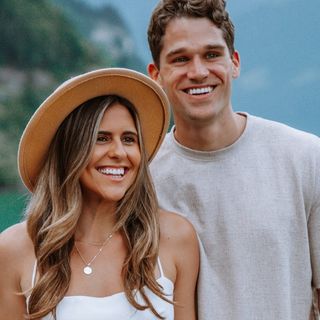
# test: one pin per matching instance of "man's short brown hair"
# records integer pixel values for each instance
(167, 10)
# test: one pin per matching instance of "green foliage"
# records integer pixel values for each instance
(8, 172)
(40, 47)
(14, 115)
(36, 34)
(114, 32)
(44, 42)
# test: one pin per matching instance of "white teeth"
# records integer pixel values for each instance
(200, 90)
(112, 171)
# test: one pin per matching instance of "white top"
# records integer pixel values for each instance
(256, 208)
(114, 307)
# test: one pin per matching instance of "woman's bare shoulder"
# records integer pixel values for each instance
(175, 225)
(15, 241)
(18, 230)
(179, 247)
(16, 263)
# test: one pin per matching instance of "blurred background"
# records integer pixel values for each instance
(45, 42)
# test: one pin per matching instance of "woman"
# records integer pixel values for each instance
(94, 244)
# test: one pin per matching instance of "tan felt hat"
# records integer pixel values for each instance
(145, 94)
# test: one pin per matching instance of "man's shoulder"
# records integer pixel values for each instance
(165, 150)
(282, 132)
(167, 143)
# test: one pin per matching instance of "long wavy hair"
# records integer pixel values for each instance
(56, 204)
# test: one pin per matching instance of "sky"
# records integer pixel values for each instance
(279, 43)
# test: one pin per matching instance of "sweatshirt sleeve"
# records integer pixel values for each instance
(314, 220)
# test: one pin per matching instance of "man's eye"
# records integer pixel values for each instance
(180, 59)
(212, 55)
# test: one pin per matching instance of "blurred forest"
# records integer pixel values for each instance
(43, 43)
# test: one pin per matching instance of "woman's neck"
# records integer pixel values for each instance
(96, 222)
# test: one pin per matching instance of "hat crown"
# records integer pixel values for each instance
(145, 94)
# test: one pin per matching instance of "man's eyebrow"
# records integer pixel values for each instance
(184, 49)
(176, 51)
(215, 47)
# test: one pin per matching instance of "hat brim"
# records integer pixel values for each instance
(146, 95)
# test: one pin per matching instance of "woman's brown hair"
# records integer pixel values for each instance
(56, 204)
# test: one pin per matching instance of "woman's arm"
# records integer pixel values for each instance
(187, 263)
(12, 305)
(180, 251)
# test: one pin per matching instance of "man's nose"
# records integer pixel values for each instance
(198, 69)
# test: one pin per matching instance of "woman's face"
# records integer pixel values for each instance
(115, 159)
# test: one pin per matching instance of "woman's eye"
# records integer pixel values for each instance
(102, 139)
(129, 139)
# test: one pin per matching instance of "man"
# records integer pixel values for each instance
(250, 186)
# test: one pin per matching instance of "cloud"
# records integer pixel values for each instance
(306, 77)
(255, 79)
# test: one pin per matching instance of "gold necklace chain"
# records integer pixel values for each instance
(88, 269)
(95, 244)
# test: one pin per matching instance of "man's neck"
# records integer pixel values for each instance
(213, 136)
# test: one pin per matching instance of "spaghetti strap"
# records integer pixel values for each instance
(34, 273)
(33, 281)
(160, 267)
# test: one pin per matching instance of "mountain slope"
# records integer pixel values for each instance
(39, 49)
(106, 29)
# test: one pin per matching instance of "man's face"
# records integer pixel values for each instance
(196, 70)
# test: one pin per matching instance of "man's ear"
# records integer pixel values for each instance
(236, 65)
(154, 73)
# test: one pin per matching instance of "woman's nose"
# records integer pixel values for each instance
(116, 150)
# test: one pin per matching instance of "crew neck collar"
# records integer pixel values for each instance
(210, 155)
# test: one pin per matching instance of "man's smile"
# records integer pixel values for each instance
(199, 91)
